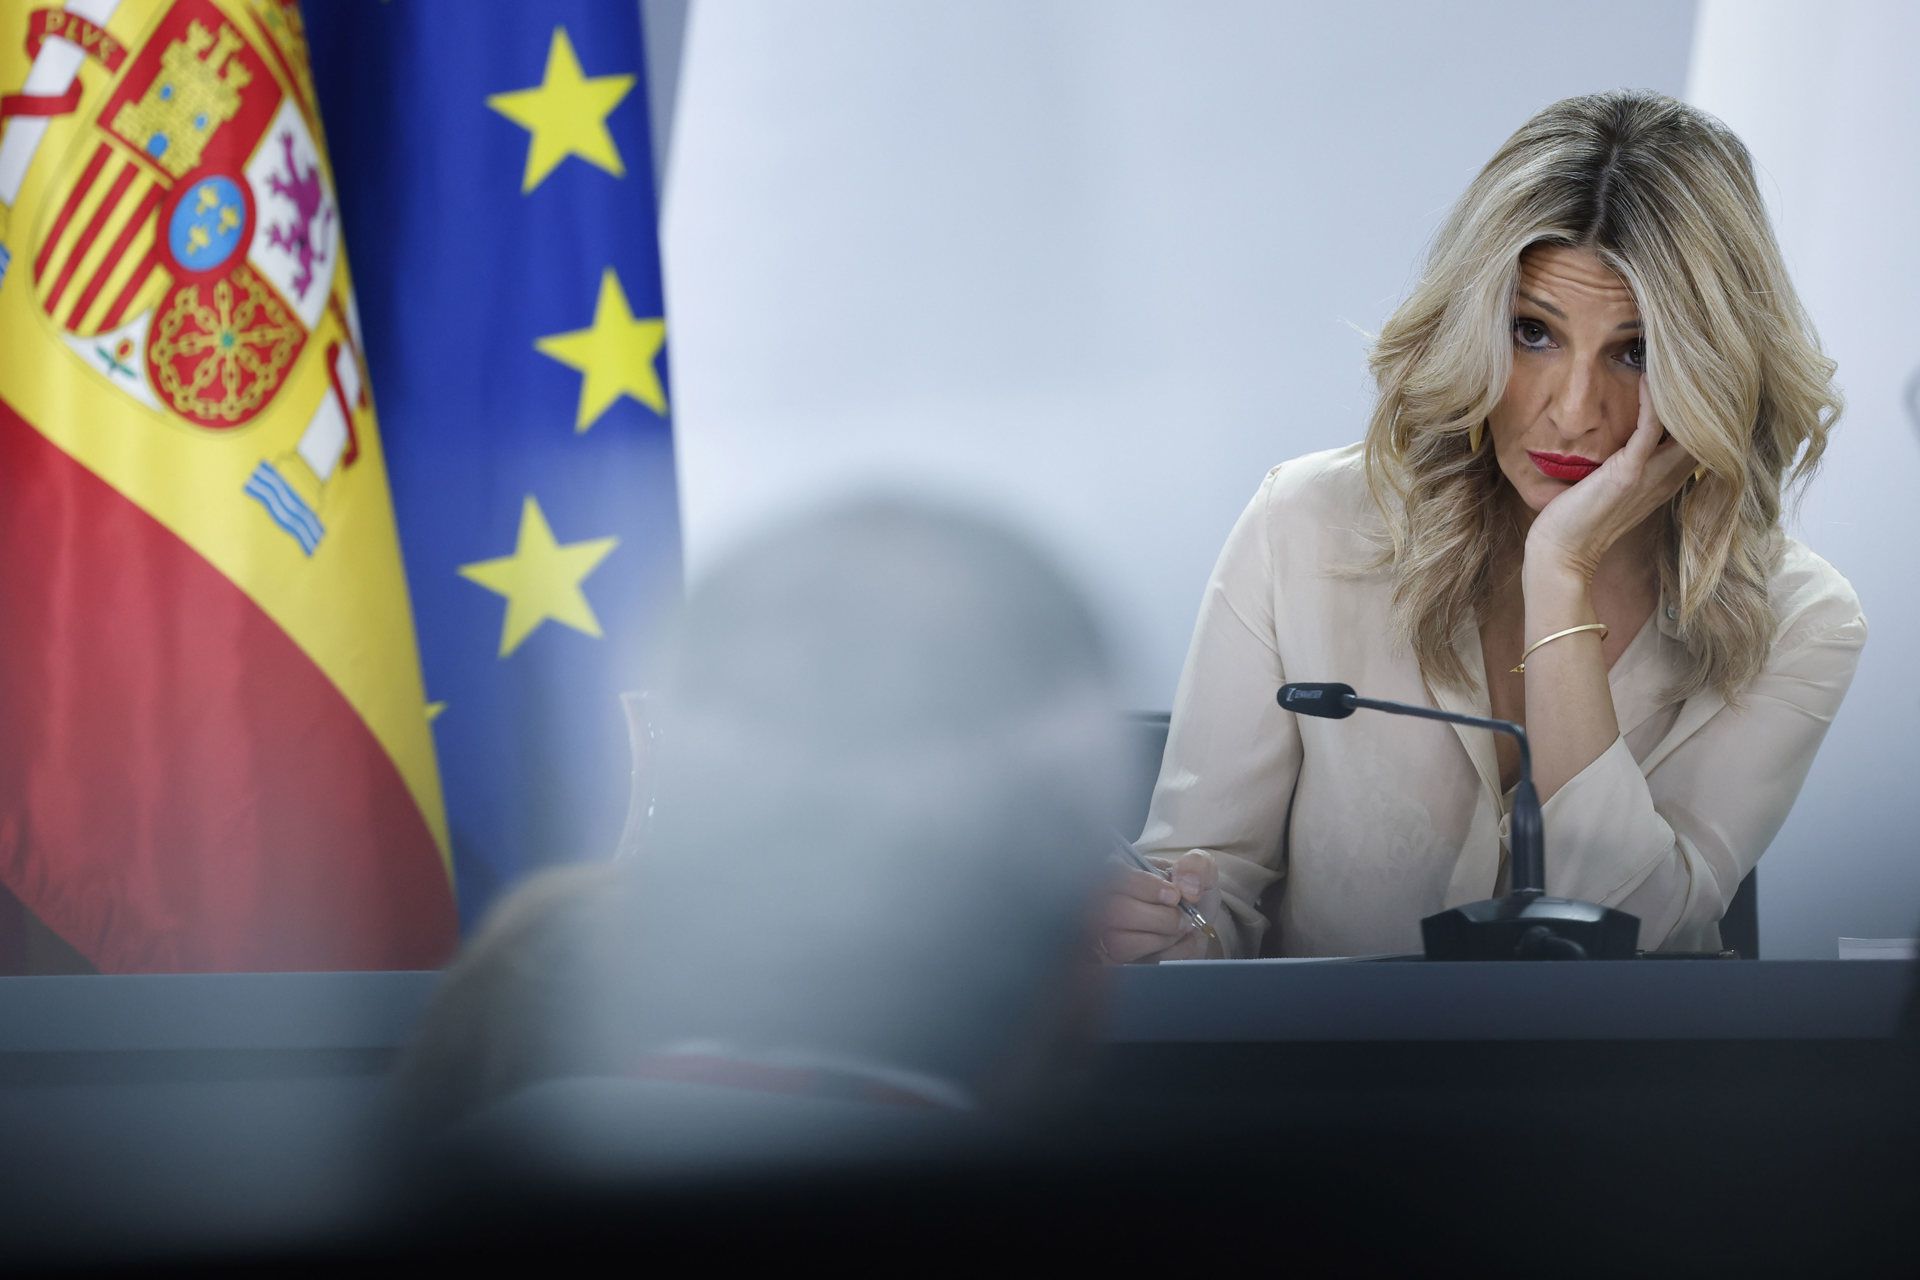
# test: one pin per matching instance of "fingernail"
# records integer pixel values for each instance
(1169, 894)
(1189, 885)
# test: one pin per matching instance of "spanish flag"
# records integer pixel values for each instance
(214, 743)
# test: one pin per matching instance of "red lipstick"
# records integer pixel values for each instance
(1563, 466)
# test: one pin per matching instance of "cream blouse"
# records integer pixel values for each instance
(1350, 831)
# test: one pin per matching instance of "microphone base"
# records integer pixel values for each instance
(1528, 925)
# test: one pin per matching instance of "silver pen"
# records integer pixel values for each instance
(1135, 857)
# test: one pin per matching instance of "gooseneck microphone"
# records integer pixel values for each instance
(1525, 834)
(1526, 924)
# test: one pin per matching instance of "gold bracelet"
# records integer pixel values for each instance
(1601, 627)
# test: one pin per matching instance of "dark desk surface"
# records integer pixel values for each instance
(1638, 1000)
(1466, 1107)
(1249, 1002)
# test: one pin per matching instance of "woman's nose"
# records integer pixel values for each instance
(1582, 400)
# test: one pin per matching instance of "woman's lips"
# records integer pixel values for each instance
(1563, 466)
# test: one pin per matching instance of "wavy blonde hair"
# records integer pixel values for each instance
(1665, 195)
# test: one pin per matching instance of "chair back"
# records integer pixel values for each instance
(1146, 744)
(1740, 926)
(643, 740)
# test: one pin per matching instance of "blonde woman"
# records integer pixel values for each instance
(1566, 512)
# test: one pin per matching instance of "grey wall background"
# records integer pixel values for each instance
(1829, 102)
(1097, 266)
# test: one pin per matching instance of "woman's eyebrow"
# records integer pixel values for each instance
(1626, 324)
(1544, 305)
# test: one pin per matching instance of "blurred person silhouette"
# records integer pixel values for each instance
(526, 1000)
(888, 759)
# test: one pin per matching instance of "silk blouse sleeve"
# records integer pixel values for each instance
(1670, 840)
(1232, 755)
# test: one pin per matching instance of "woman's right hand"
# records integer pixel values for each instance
(1139, 917)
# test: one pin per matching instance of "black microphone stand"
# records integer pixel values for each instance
(1526, 924)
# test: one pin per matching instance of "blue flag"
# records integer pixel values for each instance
(496, 188)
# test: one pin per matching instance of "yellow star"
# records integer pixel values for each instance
(616, 355)
(541, 579)
(566, 114)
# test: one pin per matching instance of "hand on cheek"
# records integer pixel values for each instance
(1580, 525)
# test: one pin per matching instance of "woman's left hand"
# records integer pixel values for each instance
(1577, 528)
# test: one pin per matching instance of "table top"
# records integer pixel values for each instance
(1220, 1003)
(1270, 1001)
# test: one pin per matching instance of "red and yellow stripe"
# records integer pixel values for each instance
(215, 751)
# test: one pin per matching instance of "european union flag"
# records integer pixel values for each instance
(496, 189)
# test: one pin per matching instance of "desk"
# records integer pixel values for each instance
(1545, 1102)
(1623, 1037)
(1390, 1037)
(1640, 1000)
(1715, 1117)
(1249, 1002)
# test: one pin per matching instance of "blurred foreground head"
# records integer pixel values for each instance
(888, 760)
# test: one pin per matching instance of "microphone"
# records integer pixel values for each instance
(1526, 924)
(1525, 835)
(1333, 701)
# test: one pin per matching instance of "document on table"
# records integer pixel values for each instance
(1256, 960)
(1880, 948)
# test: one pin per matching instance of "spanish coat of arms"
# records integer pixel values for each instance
(190, 246)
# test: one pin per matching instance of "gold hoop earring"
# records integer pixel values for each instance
(1476, 436)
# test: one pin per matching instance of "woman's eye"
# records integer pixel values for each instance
(1530, 333)
(1636, 355)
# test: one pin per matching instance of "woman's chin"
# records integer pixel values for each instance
(1536, 492)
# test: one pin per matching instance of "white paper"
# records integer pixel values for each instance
(1252, 960)
(1880, 948)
